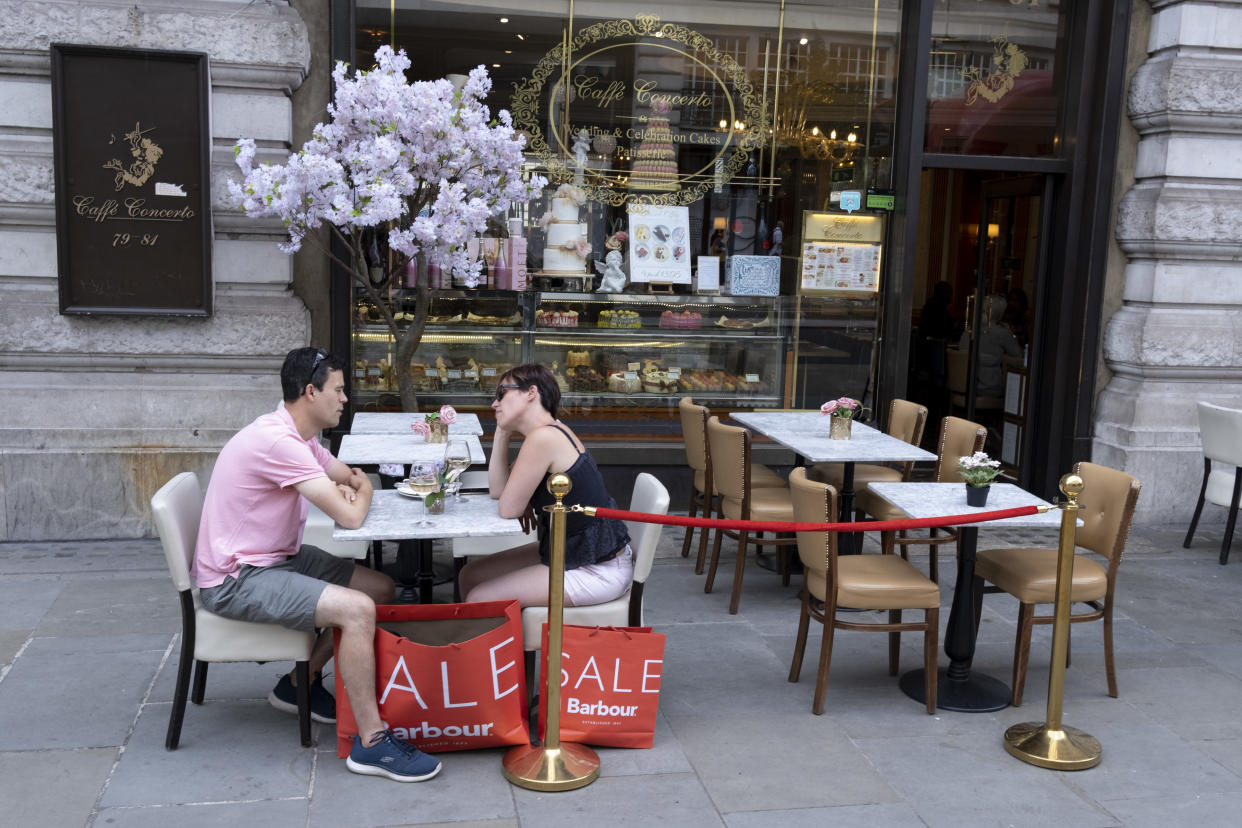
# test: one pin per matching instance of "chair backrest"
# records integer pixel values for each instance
(730, 451)
(814, 502)
(958, 438)
(177, 508)
(694, 432)
(906, 421)
(651, 497)
(1106, 507)
(1221, 430)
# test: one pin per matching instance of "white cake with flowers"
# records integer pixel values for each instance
(567, 245)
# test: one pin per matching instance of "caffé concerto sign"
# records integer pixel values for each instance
(638, 123)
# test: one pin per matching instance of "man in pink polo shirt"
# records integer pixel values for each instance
(250, 564)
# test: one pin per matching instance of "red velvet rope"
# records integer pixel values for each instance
(791, 526)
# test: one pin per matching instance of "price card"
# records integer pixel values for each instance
(489, 372)
(452, 373)
(752, 377)
(674, 372)
(633, 366)
(631, 375)
(471, 373)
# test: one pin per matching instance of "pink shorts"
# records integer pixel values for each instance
(601, 582)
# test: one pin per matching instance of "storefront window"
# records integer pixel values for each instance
(993, 83)
(705, 138)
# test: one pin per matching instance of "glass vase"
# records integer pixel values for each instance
(839, 428)
(439, 432)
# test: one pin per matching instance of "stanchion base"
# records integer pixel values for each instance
(562, 768)
(1064, 749)
(977, 693)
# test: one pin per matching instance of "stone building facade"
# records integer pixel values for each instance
(101, 411)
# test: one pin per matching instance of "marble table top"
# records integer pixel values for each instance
(393, 516)
(398, 422)
(925, 500)
(806, 433)
(398, 448)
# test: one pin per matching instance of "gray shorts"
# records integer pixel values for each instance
(285, 593)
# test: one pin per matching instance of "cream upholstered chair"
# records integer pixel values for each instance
(958, 438)
(906, 421)
(703, 492)
(651, 497)
(205, 636)
(740, 500)
(1030, 575)
(869, 582)
(1221, 430)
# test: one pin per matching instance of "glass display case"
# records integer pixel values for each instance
(607, 351)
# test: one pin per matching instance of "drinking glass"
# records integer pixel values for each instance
(456, 461)
(422, 483)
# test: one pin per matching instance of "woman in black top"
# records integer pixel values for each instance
(598, 563)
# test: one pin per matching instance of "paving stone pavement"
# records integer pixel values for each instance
(89, 635)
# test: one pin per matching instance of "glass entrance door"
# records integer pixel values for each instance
(976, 304)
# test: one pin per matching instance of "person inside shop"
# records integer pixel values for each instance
(249, 562)
(936, 320)
(599, 564)
(1017, 315)
(996, 342)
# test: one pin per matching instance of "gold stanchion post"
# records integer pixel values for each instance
(1051, 744)
(554, 765)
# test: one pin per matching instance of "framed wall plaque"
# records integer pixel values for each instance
(131, 140)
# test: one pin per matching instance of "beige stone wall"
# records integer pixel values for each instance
(101, 411)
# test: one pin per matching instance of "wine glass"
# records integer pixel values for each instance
(423, 482)
(456, 461)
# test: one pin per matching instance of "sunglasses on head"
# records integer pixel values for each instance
(320, 356)
(502, 388)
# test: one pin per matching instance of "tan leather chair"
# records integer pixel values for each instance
(740, 500)
(698, 455)
(872, 582)
(958, 438)
(1107, 505)
(957, 363)
(1221, 430)
(905, 422)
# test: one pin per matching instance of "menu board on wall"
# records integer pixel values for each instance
(659, 244)
(840, 253)
(130, 142)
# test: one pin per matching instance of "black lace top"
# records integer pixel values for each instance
(588, 540)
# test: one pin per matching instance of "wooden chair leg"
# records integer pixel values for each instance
(886, 544)
(1110, 669)
(1233, 517)
(711, 569)
(302, 671)
(931, 655)
(691, 511)
(739, 569)
(825, 658)
(804, 623)
(1194, 521)
(894, 642)
(784, 563)
(200, 682)
(709, 511)
(1022, 650)
(933, 557)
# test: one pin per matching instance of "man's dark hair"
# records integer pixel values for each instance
(307, 365)
(524, 376)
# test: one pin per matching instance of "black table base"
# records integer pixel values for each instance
(974, 693)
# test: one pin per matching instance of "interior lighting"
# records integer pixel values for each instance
(803, 41)
(504, 20)
(851, 137)
(833, 135)
(724, 124)
(521, 37)
(495, 65)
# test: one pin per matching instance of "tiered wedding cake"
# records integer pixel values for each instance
(655, 161)
(567, 246)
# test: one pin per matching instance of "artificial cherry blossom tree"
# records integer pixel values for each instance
(421, 161)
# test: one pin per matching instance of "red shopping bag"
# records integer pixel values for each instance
(610, 685)
(447, 676)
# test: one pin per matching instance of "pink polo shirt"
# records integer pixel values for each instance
(252, 514)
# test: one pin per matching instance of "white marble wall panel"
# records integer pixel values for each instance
(101, 411)
(1177, 338)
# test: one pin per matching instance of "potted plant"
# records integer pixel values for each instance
(423, 163)
(978, 470)
(841, 413)
(434, 426)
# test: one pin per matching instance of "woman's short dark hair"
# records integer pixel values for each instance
(524, 376)
(307, 365)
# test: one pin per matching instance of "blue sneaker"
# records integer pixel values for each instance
(284, 696)
(392, 757)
